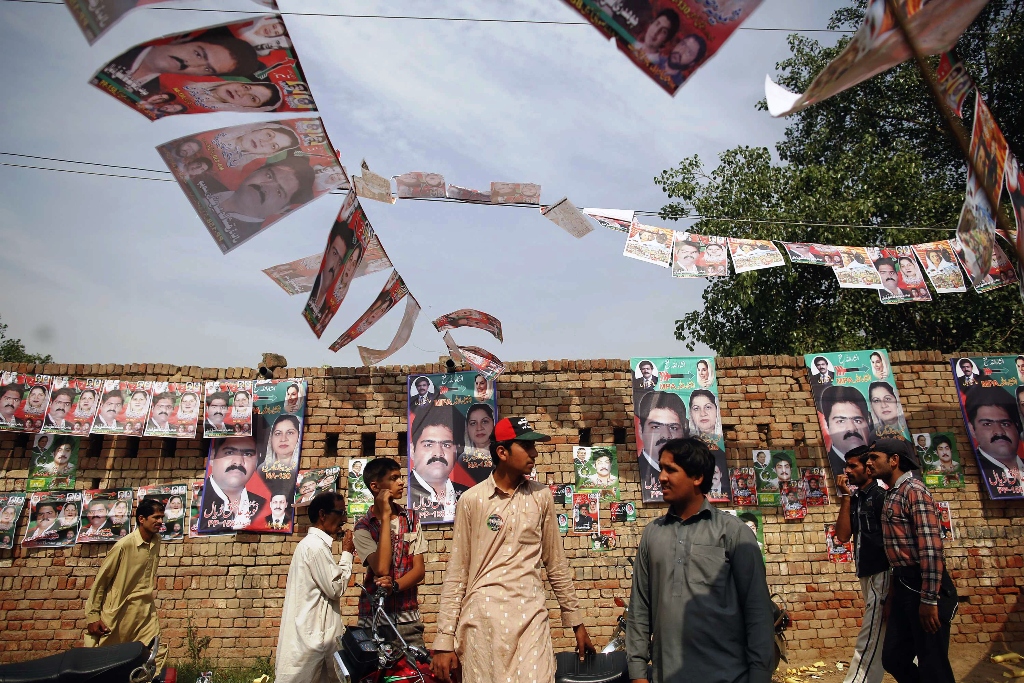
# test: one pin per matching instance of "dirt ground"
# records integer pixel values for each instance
(970, 662)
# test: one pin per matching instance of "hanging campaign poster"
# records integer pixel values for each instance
(23, 400)
(228, 408)
(1015, 188)
(586, 513)
(394, 290)
(843, 386)
(813, 254)
(954, 81)
(989, 148)
(991, 392)
(243, 179)
(95, 17)
(483, 361)
(857, 271)
(1000, 272)
(310, 483)
(940, 461)
(603, 540)
(754, 254)
(53, 519)
(451, 422)
(11, 505)
(370, 356)
(515, 193)
(976, 233)
(464, 194)
(772, 468)
(649, 244)
(54, 463)
(815, 487)
(106, 515)
(902, 280)
(743, 482)
(941, 266)
(667, 39)
(420, 185)
(175, 500)
(469, 317)
(699, 255)
(360, 498)
(372, 186)
(877, 46)
(247, 66)
(622, 512)
(945, 516)
(838, 553)
(755, 522)
(296, 277)
(598, 472)
(673, 398)
(565, 215)
(618, 220)
(175, 410)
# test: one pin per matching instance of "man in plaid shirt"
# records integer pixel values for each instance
(923, 599)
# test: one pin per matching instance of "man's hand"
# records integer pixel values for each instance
(444, 665)
(583, 644)
(346, 542)
(384, 582)
(929, 615)
(382, 504)
(98, 628)
(843, 484)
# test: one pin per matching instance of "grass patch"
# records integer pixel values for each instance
(189, 672)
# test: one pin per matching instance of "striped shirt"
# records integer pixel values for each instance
(911, 533)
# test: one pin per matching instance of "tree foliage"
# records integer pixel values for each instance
(13, 350)
(875, 155)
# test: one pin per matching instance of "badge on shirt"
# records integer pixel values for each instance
(494, 522)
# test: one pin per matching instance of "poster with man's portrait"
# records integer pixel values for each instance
(310, 483)
(808, 253)
(743, 482)
(598, 472)
(106, 515)
(649, 244)
(754, 254)
(856, 270)
(11, 505)
(451, 424)
(954, 81)
(243, 179)
(699, 255)
(586, 513)
(175, 410)
(940, 460)
(901, 277)
(815, 486)
(772, 469)
(53, 519)
(838, 553)
(515, 193)
(991, 393)
(65, 402)
(247, 66)
(229, 408)
(941, 266)
(23, 401)
(360, 498)
(420, 185)
(394, 290)
(1000, 272)
(674, 398)
(857, 401)
(123, 407)
(947, 530)
(622, 512)
(174, 497)
(54, 463)
(755, 522)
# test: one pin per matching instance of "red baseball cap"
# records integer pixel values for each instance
(517, 429)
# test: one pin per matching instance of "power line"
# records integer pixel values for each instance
(480, 20)
(68, 170)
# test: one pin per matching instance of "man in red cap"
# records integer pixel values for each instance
(922, 600)
(492, 621)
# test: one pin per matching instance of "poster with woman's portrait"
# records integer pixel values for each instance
(699, 255)
(123, 407)
(229, 408)
(72, 406)
(941, 266)
(451, 424)
(23, 401)
(106, 515)
(175, 410)
(53, 519)
(838, 553)
(11, 506)
(176, 507)
(54, 463)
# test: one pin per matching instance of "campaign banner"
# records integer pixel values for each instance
(941, 266)
(481, 360)
(991, 393)
(603, 540)
(394, 290)
(465, 194)
(360, 498)
(420, 185)
(622, 512)
(586, 513)
(370, 356)
(1000, 273)
(815, 486)
(175, 410)
(989, 148)
(372, 186)
(95, 17)
(374, 260)
(618, 220)
(902, 281)
(515, 193)
(11, 505)
(565, 215)
(649, 244)
(754, 254)
(246, 66)
(947, 530)
(793, 500)
(699, 255)
(562, 493)
(310, 483)
(469, 317)
(808, 253)
(673, 398)
(940, 461)
(106, 515)
(1015, 188)
(844, 385)
(64, 394)
(954, 81)
(296, 277)
(772, 469)
(667, 39)
(243, 179)
(597, 472)
(23, 401)
(857, 271)
(228, 408)
(53, 519)
(451, 423)
(975, 239)
(346, 244)
(175, 501)
(563, 523)
(743, 486)
(877, 46)
(54, 463)
(123, 406)
(838, 553)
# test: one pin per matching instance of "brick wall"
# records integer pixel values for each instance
(233, 587)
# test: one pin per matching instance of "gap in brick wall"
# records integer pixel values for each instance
(618, 435)
(403, 444)
(764, 436)
(95, 446)
(369, 445)
(131, 449)
(21, 441)
(168, 448)
(331, 446)
(584, 436)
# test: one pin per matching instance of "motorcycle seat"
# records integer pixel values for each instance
(80, 664)
(600, 668)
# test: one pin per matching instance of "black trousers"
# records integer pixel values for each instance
(905, 639)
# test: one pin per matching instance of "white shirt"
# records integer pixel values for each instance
(449, 495)
(242, 519)
(311, 616)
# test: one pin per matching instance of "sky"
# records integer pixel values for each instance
(97, 269)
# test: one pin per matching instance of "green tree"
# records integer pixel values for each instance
(13, 350)
(875, 155)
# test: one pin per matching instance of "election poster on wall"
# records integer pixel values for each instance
(174, 497)
(598, 471)
(106, 515)
(11, 506)
(23, 400)
(451, 422)
(54, 463)
(838, 553)
(124, 407)
(947, 530)
(310, 483)
(53, 519)
(62, 412)
(844, 385)
(243, 179)
(772, 469)
(940, 461)
(175, 410)
(673, 398)
(247, 66)
(743, 484)
(991, 393)
(228, 408)
(586, 513)
(621, 512)
(360, 498)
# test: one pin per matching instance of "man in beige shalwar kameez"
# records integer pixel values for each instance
(492, 621)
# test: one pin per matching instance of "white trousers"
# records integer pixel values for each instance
(866, 663)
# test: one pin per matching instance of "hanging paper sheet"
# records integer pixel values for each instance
(394, 291)
(857, 271)
(813, 254)
(754, 254)
(613, 219)
(941, 266)
(954, 81)
(95, 17)
(902, 280)
(699, 255)
(566, 216)
(515, 193)
(467, 195)
(370, 356)
(373, 186)
(649, 244)
(1000, 273)
(469, 317)
(419, 185)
